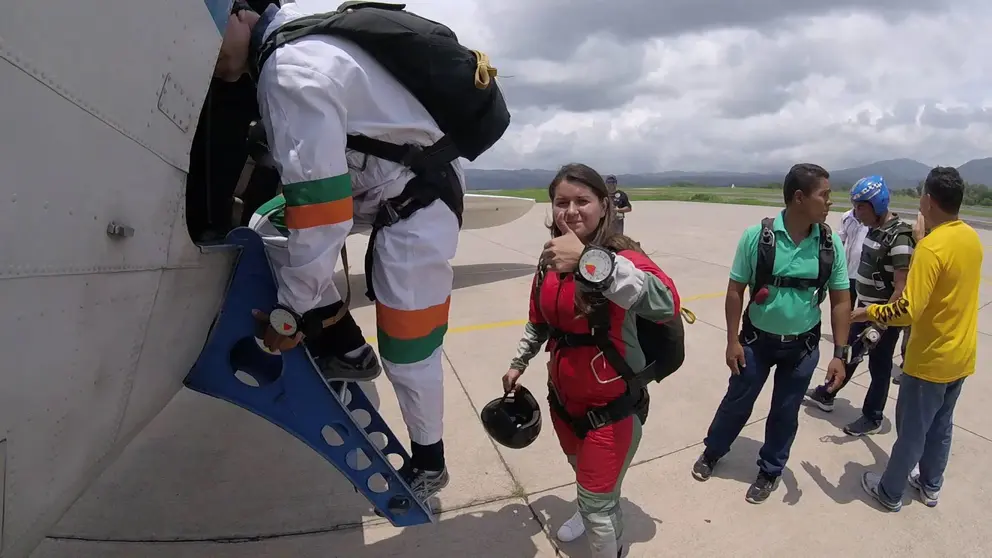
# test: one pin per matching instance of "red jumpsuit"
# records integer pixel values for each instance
(582, 378)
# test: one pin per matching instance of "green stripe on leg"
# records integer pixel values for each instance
(410, 351)
(318, 191)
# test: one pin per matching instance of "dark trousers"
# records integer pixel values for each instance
(854, 292)
(794, 362)
(879, 366)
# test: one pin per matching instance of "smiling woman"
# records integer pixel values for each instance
(591, 281)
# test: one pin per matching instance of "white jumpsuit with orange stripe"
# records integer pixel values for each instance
(312, 93)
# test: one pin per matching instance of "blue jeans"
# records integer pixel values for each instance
(794, 362)
(879, 367)
(924, 415)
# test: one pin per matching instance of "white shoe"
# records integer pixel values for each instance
(571, 529)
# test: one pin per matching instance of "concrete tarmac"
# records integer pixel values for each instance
(208, 479)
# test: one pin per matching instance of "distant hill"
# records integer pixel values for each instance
(899, 173)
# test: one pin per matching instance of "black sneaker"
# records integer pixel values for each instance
(363, 368)
(760, 489)
(703, 467)
(863, 426)
(426, 483)
(821, 398)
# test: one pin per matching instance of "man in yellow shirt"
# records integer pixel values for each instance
(940, 301)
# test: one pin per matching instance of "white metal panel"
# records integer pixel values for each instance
(113, 57)
(70, 345)
(182, 251)
(188, 301)
(66, 175)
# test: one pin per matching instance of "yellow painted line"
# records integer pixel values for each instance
(518, 323)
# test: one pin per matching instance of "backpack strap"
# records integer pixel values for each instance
(765, 264)
(764, 267)
(827, 254)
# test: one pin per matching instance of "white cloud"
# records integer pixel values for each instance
(836, 86)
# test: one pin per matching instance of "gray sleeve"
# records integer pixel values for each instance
(534, 337)
(640, 292)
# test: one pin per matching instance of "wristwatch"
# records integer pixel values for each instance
(596, 265)
(843, 353)
(285, 321)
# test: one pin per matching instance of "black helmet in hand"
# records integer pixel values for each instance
(513, 420)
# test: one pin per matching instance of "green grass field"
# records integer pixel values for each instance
(736, 196)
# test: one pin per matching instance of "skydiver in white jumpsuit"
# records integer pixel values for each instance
(312, 94)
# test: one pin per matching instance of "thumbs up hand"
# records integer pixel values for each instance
(561, 254)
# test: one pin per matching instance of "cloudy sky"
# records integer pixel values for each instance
(638, 85)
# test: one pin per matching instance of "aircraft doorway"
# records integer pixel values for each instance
(225, 185)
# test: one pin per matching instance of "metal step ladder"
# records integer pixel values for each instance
(335, 419)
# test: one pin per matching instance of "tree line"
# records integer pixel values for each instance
(974, 194)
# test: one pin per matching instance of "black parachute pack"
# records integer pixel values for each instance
(454, 83)
(765, 265)
(663, 345)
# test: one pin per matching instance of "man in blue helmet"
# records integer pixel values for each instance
(881, 278)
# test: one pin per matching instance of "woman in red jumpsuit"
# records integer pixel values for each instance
(581, 377)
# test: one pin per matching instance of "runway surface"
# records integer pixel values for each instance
(208, 479)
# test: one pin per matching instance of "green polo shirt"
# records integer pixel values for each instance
(788, 311)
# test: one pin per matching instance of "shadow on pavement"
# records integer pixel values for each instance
(741, 465)
(848, 488)
(507, 532)
(639, 527)
(845, 413)
(234, 476)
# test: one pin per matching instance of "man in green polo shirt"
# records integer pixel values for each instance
(781, 324)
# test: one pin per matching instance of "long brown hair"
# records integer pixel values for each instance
(604, 235)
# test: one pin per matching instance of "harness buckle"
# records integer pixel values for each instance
(749, 337)
(387, 215)
(413, 158)
(595, 419)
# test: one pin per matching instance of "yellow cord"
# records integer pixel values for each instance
(688, 315)
(484, 72)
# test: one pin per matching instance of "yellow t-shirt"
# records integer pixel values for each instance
(940, 302)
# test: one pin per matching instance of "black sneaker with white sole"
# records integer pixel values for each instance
(362, 368)
(928, 497)
(819, 397)
(703, 467)
(761, 488)
(424, 484)
(863, 426)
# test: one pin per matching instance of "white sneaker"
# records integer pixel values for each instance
(571, 529)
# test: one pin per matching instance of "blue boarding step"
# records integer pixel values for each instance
(288, 391)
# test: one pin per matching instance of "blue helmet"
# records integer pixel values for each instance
(872, 189)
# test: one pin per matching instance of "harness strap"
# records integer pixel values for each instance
(620, 408)
(417, 158)
(426, 187)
